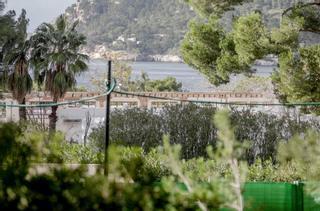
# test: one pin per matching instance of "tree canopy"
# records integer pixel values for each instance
(57, 59)
(16, 55)
(7, 26)
(219, 53)
(217, 7)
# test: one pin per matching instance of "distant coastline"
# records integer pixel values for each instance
(101, 52)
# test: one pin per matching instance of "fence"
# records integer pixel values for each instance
(278, 197)
(271, 196)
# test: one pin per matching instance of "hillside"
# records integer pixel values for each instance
(145, 27)
(150, 27)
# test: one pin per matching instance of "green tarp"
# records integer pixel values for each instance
(271, 196)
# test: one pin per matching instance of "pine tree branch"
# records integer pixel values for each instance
(285, 12)
(310, 30)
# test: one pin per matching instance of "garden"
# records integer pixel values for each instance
(180, 157)
(186, 157)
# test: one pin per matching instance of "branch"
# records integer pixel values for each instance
(300, 6)
(310, 30)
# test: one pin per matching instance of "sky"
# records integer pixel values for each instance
(39, 11)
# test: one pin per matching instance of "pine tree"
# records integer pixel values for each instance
(219, 55)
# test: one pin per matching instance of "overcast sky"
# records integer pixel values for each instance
(39, 11)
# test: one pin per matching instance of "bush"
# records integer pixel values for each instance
(21, 188)
(133, 127)
(265, 131)
(140, 180)
(191, 127)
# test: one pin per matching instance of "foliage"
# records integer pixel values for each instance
(310, 13)
(63, 188)
(217, 7)
(75, 153)
(168, 84)
(192, 128)
(218, 54)
(230, 151)
(2, 5)
(7, 24)
(172, 160)
(7, 35)
(267, 171)
(158, 180)
(139, 166)
(149, 27)
(16, 54)
(250, 39)
(127, 129)
(297, 78)
(136, 26)
(305, 157)
(57, 59)
(254, 84)
(201, 48)
(123, 73)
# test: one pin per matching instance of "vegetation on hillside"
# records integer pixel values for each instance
(136, 26)
(150, 27)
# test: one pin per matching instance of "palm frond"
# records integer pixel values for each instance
(56, 53)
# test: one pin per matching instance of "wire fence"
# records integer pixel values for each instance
(112, 90)
(113, 85)
(82, 115)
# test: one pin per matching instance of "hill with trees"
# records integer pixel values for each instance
(152, 27)
(145, 27)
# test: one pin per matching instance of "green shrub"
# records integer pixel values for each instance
(265, 131)
(191, 127)
(132, 127)
(77, 153)
(140, 180)
(268, 172)
(21, 188)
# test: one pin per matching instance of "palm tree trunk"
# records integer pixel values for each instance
(23, 111)
(53, 119)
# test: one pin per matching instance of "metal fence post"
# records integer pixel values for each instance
(107, 121)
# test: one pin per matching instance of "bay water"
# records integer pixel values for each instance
(191, 79)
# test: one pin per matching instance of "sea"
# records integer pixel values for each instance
(190, 78)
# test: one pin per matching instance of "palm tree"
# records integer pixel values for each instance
(57, 59)
(16, 55)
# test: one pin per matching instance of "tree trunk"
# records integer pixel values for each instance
(23, 111)
(53, 119)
